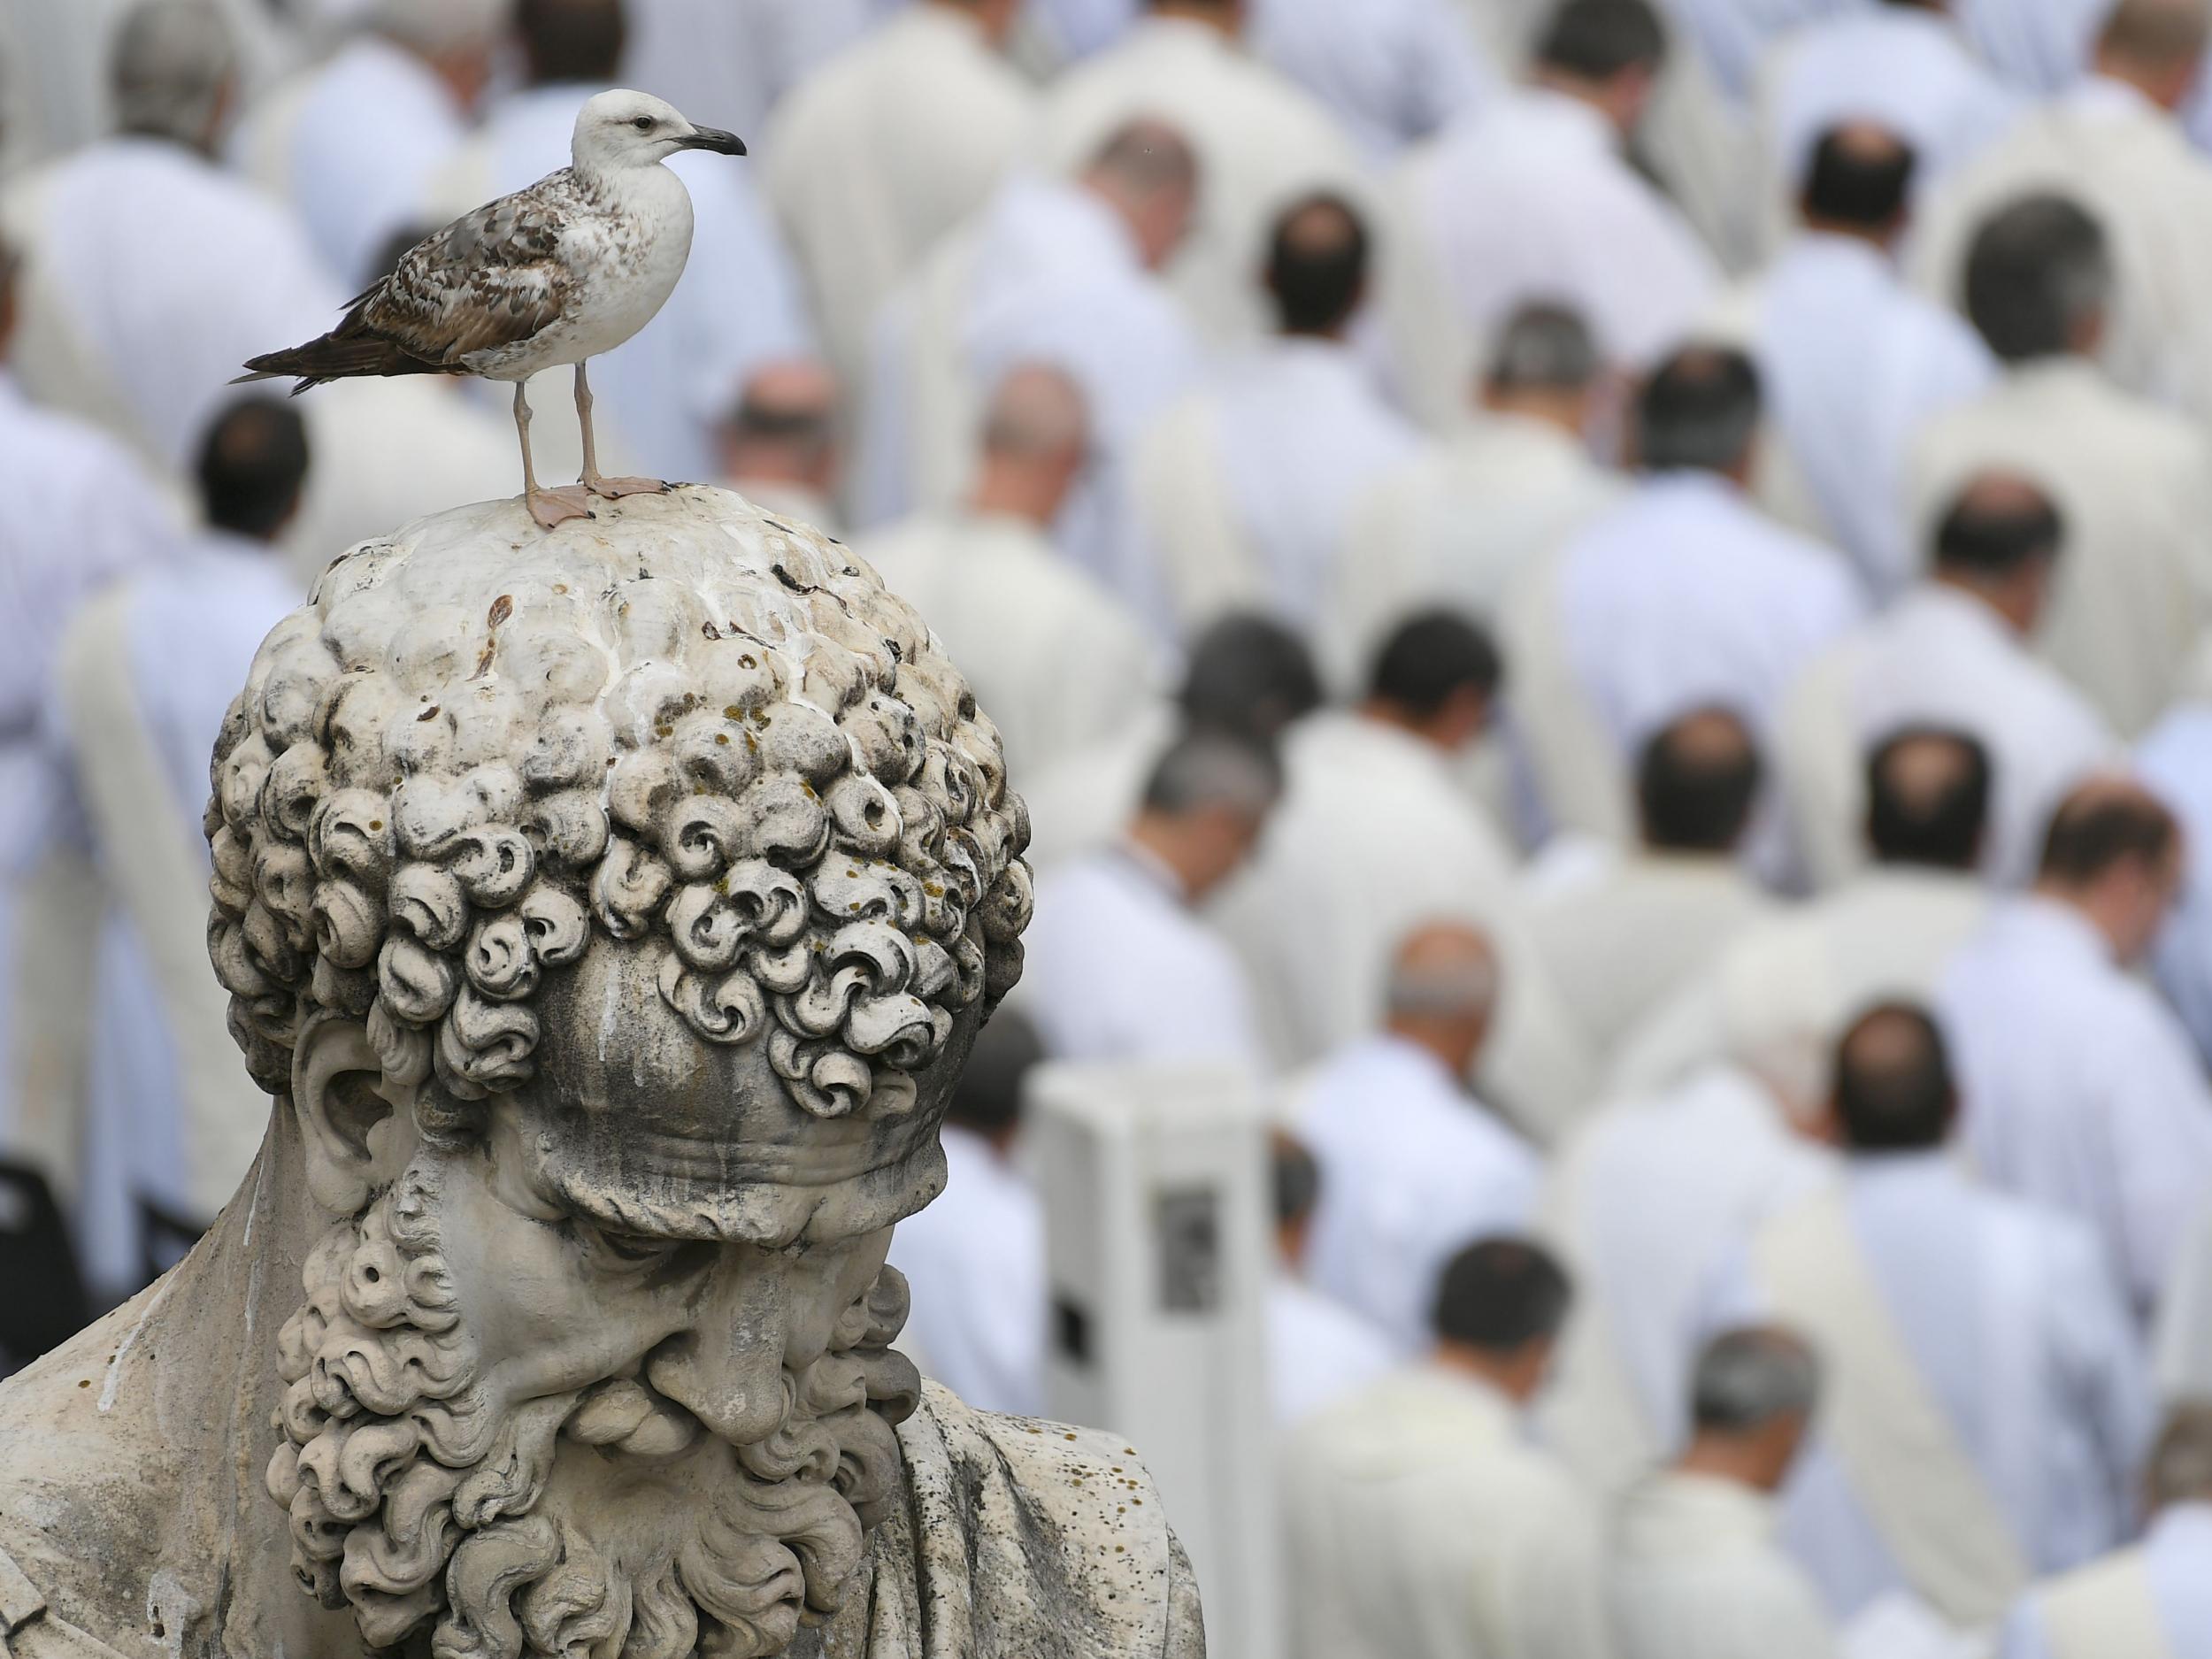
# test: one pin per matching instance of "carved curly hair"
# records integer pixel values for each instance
(698, 731)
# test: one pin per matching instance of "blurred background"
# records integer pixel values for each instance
(1604, 611)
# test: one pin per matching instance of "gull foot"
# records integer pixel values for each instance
(550, 507)
(613, 489)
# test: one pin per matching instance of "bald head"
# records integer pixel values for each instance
(2002, 539)
(1928, 798)
(1697, 781)
(1858, 181)
(1036, 435)
(784, 430)
(2156, 46)
(1893, 1086)
(172, 69)
(1443, 984)
(1147, 173)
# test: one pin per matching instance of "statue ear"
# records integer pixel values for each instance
(339, 1095)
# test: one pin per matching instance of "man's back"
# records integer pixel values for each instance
(1421, 1526)
(1697, 1575)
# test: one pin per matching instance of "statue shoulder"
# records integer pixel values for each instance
(1053, 1536)
(29, 1628)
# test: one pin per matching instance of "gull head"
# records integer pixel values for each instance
(619, 130)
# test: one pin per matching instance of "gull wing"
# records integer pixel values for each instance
(492, 277)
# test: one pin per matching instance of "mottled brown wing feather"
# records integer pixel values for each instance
(489, 278)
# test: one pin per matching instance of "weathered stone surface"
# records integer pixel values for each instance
(610, 912)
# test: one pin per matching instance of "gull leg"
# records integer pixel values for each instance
(549, 507)
(596, 485)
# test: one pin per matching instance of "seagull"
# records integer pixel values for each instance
(570, 267)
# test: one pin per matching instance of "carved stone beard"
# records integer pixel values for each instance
(606, 1521)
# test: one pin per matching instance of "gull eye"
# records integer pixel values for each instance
(644, 123)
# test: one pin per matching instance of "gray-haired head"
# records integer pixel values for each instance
(1542, 347)
(1441, 971)
(1747, 1378)
(1699, 412)
(1037, 411)
(171, 67)
(2181, 1467)
(1205, 770)
(2039, 278)
(1147, 173)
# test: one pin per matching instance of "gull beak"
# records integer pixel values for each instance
(712, 138)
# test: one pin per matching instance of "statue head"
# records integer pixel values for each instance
(614, 909)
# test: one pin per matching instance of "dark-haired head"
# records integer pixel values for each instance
(1606, 52)
(988, 1097)
(1500, 1305)
(1927, 798)
(1317, 266)
(1697, 782)
(1436, 676)
(253, 467)
(2114, 852)
(2038, 280)
(1894, 1091)
(1699, 412)
(1858, 181)
(2002, 540)
(1250, 677)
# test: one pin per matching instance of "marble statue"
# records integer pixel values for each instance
(609, 913)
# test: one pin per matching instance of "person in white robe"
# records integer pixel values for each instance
(2153, 1599)
(1732, 36)
(665, 391)
(1904, 64)
(1420, 1522)
(1262, 141)
(1413, 1165)
(2040, 47)
(1682, 596)
(1241, 493)
(1641, 924)
(82, 516)
(1395, 71)
(2175, 760)
(2113, 143)
(172, 1125)
(738, 59)
(2134, 593)
(1456, 523)
(2083, 1090)
(1532, 198)
(1851, 362)
(352, 143)
(1055, 657)
(1696, 1571)
(1986, 1402)
(1376, 835)
(1118, 964)
(1318, 1350)
(1646, 1203)
(1247, 676)
(885, 148)
(1952, 652)
(136, 305)
(1885, 934)
(1054, 273)
(976, 1260)
(781, 448)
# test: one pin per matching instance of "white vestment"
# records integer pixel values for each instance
(1081, 804)
(1054, 659)
(1318, 1350)
(1116, 968)
(2152, 1601)
(1395, 71)
(175, 1122)
(2080, 1089)
(1421, 1525)
(351, 145)
(1790, 986)
(730, 62)
(1908, 68)
(1375, 837)
(1243, 492)
(2175, 758)
(1939, 656)
(2127, 161)
(976, 1262)
(1622, 939)
(1413, 1168)
(80, 516)
(2133, 485)
(1731, 36)
(150, 276)
(1697, 1575)
(1529, 200)
(2040, 46)
(881, 151)
(1261, 143)
(1852, 364)
(1455, 525)
(1682, 596)
(1046, 273)
(1985, 1404)
(668, 387)
(1644, 1204)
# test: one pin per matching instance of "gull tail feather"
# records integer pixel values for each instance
(335, 358)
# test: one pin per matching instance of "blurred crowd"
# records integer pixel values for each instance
(1611, 598)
